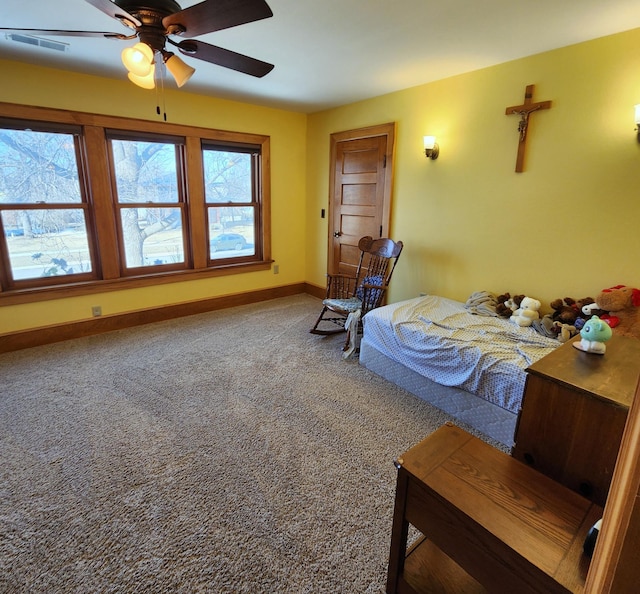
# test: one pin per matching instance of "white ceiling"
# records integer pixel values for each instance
(332, 52)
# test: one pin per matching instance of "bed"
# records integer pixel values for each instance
(469, 364)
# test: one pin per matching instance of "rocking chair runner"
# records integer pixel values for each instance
(361, 293)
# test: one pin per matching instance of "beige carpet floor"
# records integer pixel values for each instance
(227, 452)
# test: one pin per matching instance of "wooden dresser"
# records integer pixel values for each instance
(573, 414)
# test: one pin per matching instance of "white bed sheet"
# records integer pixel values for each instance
(441, 340)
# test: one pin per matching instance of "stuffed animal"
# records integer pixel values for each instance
(512, 303)
(572, 312)
(623, 304)
(553, 329)
(564, 310)
(502, 309)
(565, 331)
(594, 334)
(527, 312)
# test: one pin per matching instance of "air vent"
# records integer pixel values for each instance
(39, 41)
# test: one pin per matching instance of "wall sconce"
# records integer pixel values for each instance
(431, 148)
(637, 120)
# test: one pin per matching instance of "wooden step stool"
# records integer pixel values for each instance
(490, 523)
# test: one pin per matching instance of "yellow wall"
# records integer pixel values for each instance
(567, 226)
(51, 88)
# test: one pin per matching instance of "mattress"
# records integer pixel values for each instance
(442, 340)
(495, 422)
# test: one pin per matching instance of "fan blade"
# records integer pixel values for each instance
(223, 57)
(60, 33)
(215, 15)
(114, 11)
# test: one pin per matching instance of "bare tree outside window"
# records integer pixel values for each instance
(88, 201)
(149, 203)
(228, 182)
(43, 210)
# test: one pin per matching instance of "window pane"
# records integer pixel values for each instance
(46, 242)
(145, 171)
(227, 176)
(231, 232)
(152, 236)
(38, 167)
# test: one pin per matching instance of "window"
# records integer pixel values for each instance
(89, 200)
(232, 205)
(149, 202)
(43, 207)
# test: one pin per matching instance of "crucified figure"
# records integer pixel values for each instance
(524, 121)
(524, 111)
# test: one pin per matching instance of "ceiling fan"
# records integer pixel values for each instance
(155, 22)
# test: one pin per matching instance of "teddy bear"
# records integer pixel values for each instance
(508, 304)
(571, 312)
(623, 304)
(564, 310)
(527, 312)
(502, 309)
(514, 302)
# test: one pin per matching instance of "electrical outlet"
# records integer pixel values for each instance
(276, 269)
(96, 311)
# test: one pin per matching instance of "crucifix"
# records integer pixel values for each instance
(524, 111)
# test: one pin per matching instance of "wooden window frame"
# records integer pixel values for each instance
(103, 228)
(256, 165)
(84, 205)
(181, 204)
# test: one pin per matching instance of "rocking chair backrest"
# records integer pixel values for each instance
(378, 259)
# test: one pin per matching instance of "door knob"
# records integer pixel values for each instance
(337, 233)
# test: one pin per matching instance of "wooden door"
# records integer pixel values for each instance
(360, 192)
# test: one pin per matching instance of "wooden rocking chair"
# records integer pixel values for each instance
(359, 294)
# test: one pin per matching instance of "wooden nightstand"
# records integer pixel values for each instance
(573, 414)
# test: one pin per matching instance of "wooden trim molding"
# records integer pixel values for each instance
(107, 271)
(315, 290)
(39, 336)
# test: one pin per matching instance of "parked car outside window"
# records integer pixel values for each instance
(228, 241)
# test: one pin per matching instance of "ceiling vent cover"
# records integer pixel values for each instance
(38, 41)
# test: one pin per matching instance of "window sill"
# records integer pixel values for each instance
(31, 295)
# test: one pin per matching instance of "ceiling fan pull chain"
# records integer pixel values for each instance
(164, 104)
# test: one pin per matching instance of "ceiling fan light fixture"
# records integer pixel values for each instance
(147, 81)
(180, 70)
(138, 59)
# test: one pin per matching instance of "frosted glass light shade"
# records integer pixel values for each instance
(146, 82)
(429, 142)
(138, 59)
(180, 71)
(637, 113)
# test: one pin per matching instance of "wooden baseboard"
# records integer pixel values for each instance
(39, 336)
(315, 291)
